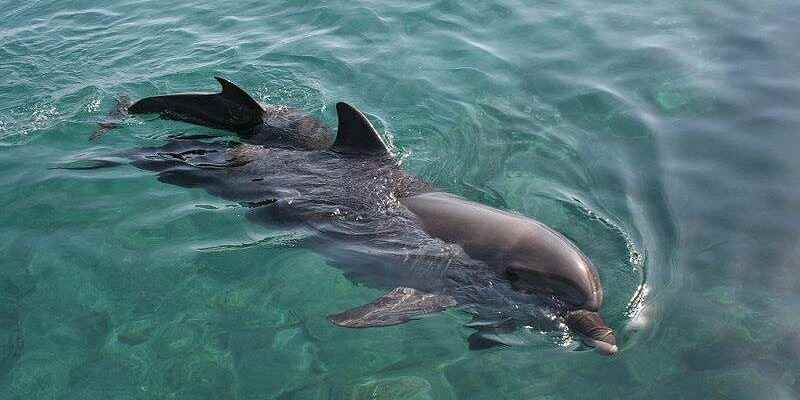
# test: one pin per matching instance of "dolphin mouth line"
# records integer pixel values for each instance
(605, 335)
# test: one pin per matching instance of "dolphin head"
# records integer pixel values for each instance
(543, 261)
(593, 331)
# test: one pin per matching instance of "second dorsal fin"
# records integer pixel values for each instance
(356, 135)
(236, 94)
(232, 109)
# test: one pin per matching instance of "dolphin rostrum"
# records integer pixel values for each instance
(381, 226)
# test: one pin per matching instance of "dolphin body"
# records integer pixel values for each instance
(382, 226)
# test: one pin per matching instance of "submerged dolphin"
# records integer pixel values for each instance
(382, 226)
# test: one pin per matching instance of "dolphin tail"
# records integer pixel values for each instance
(231, 109)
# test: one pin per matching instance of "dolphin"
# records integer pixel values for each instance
(382, 226)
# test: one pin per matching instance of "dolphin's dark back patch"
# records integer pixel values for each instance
(356, 135)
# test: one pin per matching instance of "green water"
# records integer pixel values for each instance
(660, 136)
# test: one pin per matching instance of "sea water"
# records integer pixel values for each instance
(661, 137)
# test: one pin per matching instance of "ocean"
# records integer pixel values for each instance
(661, 137)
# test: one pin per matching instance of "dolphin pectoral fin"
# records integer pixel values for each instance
(480, 341)
(400, 305)
(486, 340)
(355, 134)
(491, 334)
(231, 109)
(88, 163)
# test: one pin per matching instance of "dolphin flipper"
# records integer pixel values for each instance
(491, 334)
(396, 307)
(232, 109)
(88, 163)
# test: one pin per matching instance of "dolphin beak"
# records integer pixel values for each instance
(604, 348)
(605, 344)
(593, 331)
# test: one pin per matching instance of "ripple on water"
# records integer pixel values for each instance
(19, 125)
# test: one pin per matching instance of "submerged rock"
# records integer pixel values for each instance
(202, 375)
(407, 387)
(135, 333)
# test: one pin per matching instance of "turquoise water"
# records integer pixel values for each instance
(659, 136)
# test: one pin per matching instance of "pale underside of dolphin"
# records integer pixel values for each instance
(289, 168)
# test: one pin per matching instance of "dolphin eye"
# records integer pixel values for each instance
(517, 283)
(511, 275)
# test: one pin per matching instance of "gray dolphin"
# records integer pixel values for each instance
(382, 226)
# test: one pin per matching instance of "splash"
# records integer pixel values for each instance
(636, 259)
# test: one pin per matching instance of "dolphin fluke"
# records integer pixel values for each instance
(232, 108)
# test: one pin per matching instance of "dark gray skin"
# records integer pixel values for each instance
(234, 110)
(382, 226)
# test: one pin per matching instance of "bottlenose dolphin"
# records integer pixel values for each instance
(382, 226)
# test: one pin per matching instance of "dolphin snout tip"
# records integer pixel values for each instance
(604, 348)
(607, 350)
(593, 331)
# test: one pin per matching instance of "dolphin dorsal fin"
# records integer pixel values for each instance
(235, 93)
(356, 135)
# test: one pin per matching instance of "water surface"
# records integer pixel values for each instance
(660, 136)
